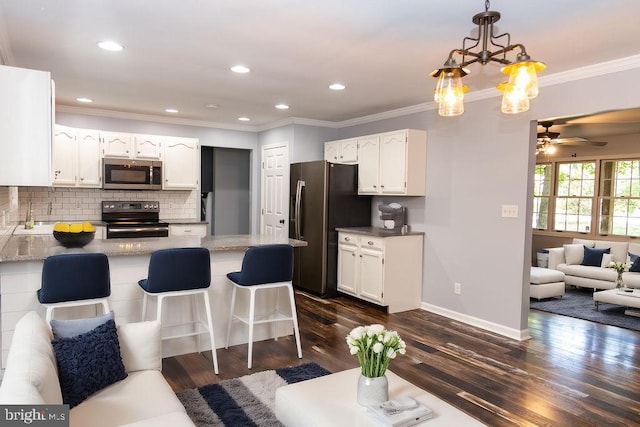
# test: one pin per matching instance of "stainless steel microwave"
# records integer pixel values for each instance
(128, 174)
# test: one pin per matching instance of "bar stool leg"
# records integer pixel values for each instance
(196, 319)
(105, 306)
(274, 325)
(214, 355)
(294, 317)
(252, 307)
(231, 312)
(144, 306)
(49, 314)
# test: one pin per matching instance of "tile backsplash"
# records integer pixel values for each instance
(84, 204)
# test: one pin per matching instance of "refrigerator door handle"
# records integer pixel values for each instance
(298, 207)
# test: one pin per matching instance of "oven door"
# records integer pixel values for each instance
(134, 230)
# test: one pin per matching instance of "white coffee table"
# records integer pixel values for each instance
(619, 297)
(331, 401)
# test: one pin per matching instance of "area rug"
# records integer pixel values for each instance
(579, 303)
(244, 401)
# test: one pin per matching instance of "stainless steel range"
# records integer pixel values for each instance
(133, 220)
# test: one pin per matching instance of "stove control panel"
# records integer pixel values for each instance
(137, 206)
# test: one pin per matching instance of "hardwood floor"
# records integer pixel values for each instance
(571, 373)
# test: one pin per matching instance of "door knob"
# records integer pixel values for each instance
(281, 221)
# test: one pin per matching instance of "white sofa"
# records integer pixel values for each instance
(143, 398)
(568, 259)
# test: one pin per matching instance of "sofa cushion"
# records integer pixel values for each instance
(142, 395)
(584, 242)
(73, 327)
(617, 249)
(606, 260)
(595, 273)
(88, 362)
(141, 346)
(593, 257)
(30, 375)
(573, 253)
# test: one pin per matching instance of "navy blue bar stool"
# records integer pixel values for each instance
(70, 280)
(176, 273)
(264, 267)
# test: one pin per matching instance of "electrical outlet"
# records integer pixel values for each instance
(509, 211)
(456, 288)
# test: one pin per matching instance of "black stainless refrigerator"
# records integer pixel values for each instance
(323, 196)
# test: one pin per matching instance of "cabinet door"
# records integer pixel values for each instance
(368, 164)
(117, 144)
(371, 274)
(347, 268)
(64, 157)
(349, 151)
(332, 151)
(181, 165)
(393, 148)
(198, 230)
(147, 147)
(89, 159)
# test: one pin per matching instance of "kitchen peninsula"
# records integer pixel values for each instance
(21, 266)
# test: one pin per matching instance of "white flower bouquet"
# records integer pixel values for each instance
(374, 346)
(620, 267)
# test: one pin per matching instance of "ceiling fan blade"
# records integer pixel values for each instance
(580, 141)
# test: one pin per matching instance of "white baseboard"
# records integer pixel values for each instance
(519, 335)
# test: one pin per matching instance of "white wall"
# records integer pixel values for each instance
(476, 163)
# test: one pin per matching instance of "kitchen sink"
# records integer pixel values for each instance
(38, 228)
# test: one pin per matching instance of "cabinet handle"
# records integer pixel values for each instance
(360, 256)
(353, 254)
(370, 243)
(382, 186)
(341, 157)
(347, 239)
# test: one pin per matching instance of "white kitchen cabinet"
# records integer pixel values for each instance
(199, 230)
(400, 162)
(76, 158)
(342, 151)
(181, 165)
(117, 144)
(26, 130)
(148, 147)
(383, 270)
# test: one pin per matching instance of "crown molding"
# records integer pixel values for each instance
(609, 67)
(150, 118)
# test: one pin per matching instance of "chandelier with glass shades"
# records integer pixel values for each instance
(516, 92)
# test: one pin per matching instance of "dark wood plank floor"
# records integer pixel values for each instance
(571, 373)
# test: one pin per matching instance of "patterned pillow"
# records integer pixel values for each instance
(88, 362)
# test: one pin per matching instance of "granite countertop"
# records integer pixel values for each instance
(38, 247)
(378, 232)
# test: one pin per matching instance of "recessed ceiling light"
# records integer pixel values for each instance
(244, 119)
(282, 106)
(83, 99)
(240, 69)
(171, 110)
(110, 46)
(337, 86)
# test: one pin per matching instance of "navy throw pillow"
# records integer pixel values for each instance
(88, 362)
(593, 256)
(632, 257)
(635, 267)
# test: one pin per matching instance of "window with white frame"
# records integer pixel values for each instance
(581, 195)
(574, 197)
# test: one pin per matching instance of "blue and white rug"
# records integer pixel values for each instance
(244, 401)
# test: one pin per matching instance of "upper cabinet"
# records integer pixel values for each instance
(148, 147)
(343, 151)
(181, 165)
(76, 158)
(393, 163)
(26, 123)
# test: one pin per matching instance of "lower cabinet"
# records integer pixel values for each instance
(383, 270)
(199, 230)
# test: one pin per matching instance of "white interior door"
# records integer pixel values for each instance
(275, 189)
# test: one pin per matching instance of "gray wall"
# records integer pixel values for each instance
(231, 195)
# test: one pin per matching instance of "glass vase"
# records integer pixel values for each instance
(619, 282)
(372, 391)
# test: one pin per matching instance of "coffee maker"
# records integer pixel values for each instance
(393, 216)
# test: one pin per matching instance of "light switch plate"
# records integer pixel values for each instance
(509, 211)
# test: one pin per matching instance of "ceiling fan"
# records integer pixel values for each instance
(547, 140)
